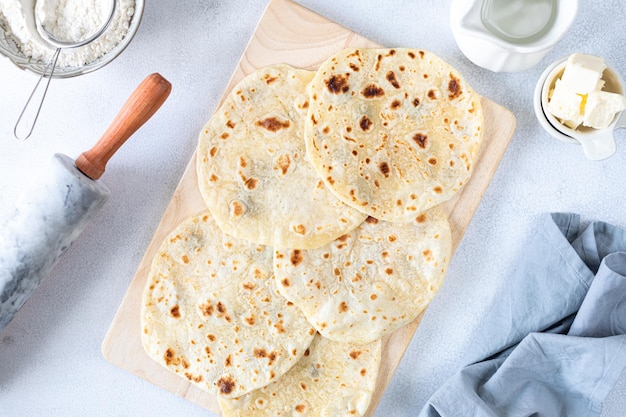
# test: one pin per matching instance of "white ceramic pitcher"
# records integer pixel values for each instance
(510, 35)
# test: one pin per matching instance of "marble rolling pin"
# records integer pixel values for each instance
(62, 200)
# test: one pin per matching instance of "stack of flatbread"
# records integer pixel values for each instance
(323, 231)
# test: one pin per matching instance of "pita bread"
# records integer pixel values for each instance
(253, 171)
(392, 132)
(332, 379)
(370, 281)
(211, 312)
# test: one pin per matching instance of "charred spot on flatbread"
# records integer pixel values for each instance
(421, 139)
(365, 123)
(273, 124)
(338, 84)
(454, 88)
(391, 77)
(372, 91)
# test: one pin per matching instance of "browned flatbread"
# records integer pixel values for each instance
(392, 132)
(332, 379)
(211, 312)
(370, 281)
(253, 170)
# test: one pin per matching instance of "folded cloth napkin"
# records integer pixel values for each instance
(556, 344)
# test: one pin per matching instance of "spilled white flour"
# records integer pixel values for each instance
(67, 20)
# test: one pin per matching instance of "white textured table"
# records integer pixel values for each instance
(50, 360)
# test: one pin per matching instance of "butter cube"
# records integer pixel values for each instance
(601, 108)
(566, 105)
(583, 73)
(577, 97)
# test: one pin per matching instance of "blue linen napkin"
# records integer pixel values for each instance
(556, 345)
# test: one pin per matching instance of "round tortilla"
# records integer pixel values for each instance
(332, 379)
(211, 312)
(371, 281)
(392, 132)
(253, 169)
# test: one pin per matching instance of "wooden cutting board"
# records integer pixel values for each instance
(289, 33)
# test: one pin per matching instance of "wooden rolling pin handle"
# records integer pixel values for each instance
(138, 109)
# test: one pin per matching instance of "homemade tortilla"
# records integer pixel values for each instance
(370, 281)
(253, 170)
(332, 379)
(211, 312)
(392, 132)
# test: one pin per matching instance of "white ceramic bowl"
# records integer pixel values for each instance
(597, 143)
(10, 49)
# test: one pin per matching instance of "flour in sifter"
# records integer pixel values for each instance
(67, 20)
(73, 20)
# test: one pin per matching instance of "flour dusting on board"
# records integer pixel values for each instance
(67, 20)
